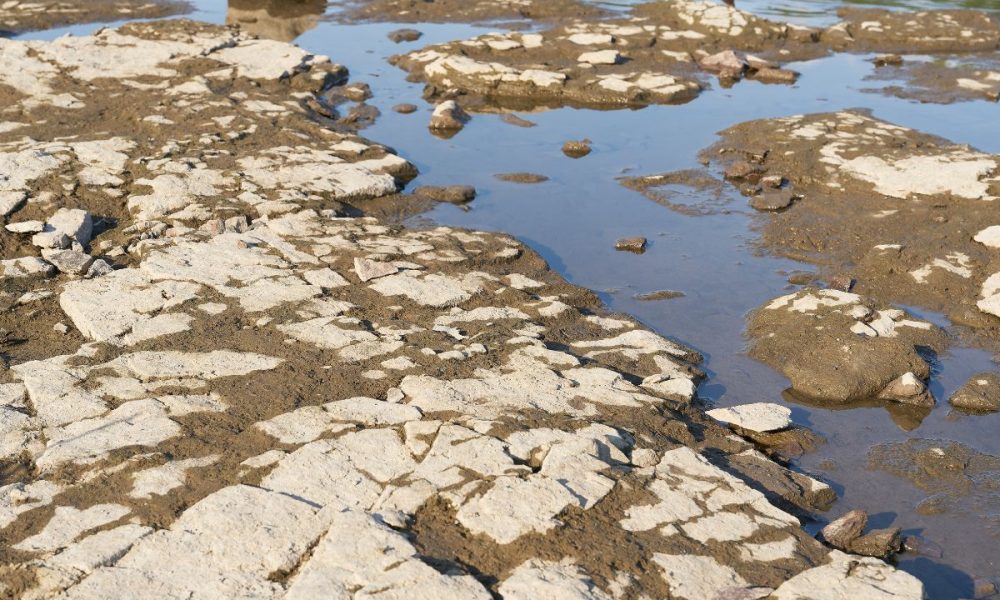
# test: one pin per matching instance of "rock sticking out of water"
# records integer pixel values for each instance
(632, 244)
(980, 394)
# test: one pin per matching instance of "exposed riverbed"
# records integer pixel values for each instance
(710, 253)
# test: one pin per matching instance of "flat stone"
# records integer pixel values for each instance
(980, 394)
(632, 244)
(367, 269)
(456, 194)
(71, 262)
(989, 237)
(761, 417)
(848, 576)
(771, 200)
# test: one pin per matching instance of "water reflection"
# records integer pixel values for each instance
(282, 20)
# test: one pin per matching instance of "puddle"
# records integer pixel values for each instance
(574, 218)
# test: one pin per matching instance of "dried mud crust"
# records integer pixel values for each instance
(18, 16)
(941, 80)
(464, 11)
(663, 52)
(906, 215)
(294, 402)
(630, 61)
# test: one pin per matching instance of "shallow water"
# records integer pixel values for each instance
(574, 219)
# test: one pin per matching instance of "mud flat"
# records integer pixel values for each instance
(223, 382)
(941, 80)
(465, 11)
(17, 16)
(666, 52)
(903, 216)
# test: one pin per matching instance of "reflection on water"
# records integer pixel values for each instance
(282, 20)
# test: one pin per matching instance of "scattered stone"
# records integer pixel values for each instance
(600, 57)
(631, 244)
(883, 60)
(357, 92)
(576, 148)
(843, 531)
(367, 269)
(772, 199)
(980, 394)
(26, 227)
(880, 543)
(76, 224)
(70, 262)
(726, 63)
(770, 75)
(404, 35)
(908, 389)
(405, 109)
(456, 194)
(448, 116)
(760, 417)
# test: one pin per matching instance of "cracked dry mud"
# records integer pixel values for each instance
(17, 16)
(262, 394)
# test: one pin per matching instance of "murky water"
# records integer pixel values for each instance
(574, 219)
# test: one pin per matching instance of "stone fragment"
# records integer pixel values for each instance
(29, 266)
(448, 116)
(772, 200)
(404, 35)
(908, 389)
(70, 262)
(842, 532)
(405, 108)
(75, 223)
(631, 244)
(456, 194)
(880, 543)
(600, 57)
(726, 63)
(25, 227)
(772, 75)
(883, 60)
(980, 394)
(577, 148)
(367, 269)
(761, 416)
